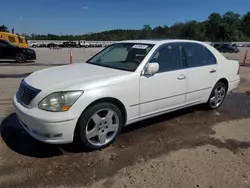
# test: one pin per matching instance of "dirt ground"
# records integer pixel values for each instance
(187, 148)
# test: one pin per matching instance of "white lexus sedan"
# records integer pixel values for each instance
(126, 82)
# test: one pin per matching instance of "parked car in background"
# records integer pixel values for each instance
(84, 44)
(125, 83)
(50, 45)
(53, 46)
(32, 44)
(240, 45)
(13, 52)
(228, 48)
(216, 45)
(246, 45)
(69, 44)
(41, 45)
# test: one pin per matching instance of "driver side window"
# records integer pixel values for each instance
(169, 57)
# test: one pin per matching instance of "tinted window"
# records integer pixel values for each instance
(198, 55)
(168, 57)
(11, 39)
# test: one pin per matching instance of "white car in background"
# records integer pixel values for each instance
(126, 82)
(32, 44)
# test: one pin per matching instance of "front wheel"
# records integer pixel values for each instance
(217, 96)
(99, 125)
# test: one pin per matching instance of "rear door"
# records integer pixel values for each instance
(201, 72)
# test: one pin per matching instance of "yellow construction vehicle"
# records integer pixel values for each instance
(15, 39)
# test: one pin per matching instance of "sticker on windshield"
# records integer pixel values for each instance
(140, 46)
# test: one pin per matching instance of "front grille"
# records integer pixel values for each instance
(26, 93)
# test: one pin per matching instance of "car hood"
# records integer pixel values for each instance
(25, 49)
(70, 76)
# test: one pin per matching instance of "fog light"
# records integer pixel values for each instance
(57, 135)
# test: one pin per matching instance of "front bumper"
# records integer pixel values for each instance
(42, 128)
(31, 56)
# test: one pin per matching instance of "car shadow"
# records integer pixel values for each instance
(28, 63)
(161, 118)
(14, 62)
(23, 75)
(21, 142)
(236, 106)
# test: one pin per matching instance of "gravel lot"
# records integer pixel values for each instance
(187, 148)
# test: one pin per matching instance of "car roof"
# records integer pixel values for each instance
(159, 41)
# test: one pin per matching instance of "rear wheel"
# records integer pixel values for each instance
(217, 96)
(99, 125)
(21, 58)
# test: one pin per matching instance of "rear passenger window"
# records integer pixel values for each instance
(198, 55)
(168, 57)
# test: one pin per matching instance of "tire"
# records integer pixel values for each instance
(217, 96)
(92, 129)
(21, 58)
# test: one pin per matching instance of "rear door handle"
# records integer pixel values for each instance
(181, 77)
(212, 71)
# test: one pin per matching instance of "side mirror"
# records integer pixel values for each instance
(151, 68)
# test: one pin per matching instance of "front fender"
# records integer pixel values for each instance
(126, 92)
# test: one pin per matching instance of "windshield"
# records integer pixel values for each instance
(123, 56)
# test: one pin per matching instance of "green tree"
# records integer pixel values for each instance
(228, 27)
(245, 24)
(176, 31)
(231, 23)
(145, 32)
(193, 30)
(213, 26)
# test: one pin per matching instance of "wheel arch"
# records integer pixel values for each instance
(111, 100)
(224, 81)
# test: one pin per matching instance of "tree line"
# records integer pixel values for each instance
(227, 27)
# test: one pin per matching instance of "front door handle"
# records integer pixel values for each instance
(181, 77)
(212, 71)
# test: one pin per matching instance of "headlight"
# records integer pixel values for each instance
(27, 51)
(59, 101)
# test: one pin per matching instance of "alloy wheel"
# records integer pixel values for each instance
(102, 127)
(217, 96)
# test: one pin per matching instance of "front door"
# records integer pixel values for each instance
(201, 72)
(3, 46)
(166, 89)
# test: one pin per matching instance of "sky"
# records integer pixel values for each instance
(85, 16)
